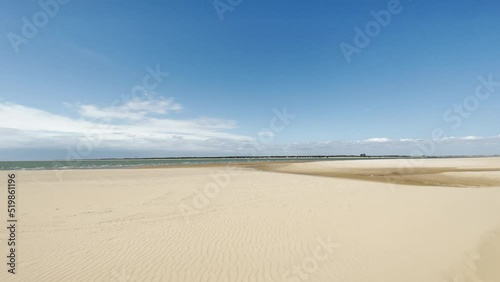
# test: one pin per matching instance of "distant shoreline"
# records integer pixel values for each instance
(145, 163)
(271, 157)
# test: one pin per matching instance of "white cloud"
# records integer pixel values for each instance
(377, 140)
(409, 140)
(472, 138)
(136, 124)
(148, 126)
(134, 109)
(385, 146)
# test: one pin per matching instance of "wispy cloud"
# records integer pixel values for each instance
(134, 109)
(134, 124)
(472, 138)
(88, 53)
(409, 140)
(151, 124)
(377, 140)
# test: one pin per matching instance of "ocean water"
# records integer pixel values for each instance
(129, 163)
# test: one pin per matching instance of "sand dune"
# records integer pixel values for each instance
(246, 224)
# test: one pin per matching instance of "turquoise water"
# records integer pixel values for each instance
(127, 163)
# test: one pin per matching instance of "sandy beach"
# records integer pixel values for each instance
(351, 221)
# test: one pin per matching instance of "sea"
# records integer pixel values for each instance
(137, 163)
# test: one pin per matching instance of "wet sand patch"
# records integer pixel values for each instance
(420, 176)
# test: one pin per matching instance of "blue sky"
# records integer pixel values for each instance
(68, 84)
